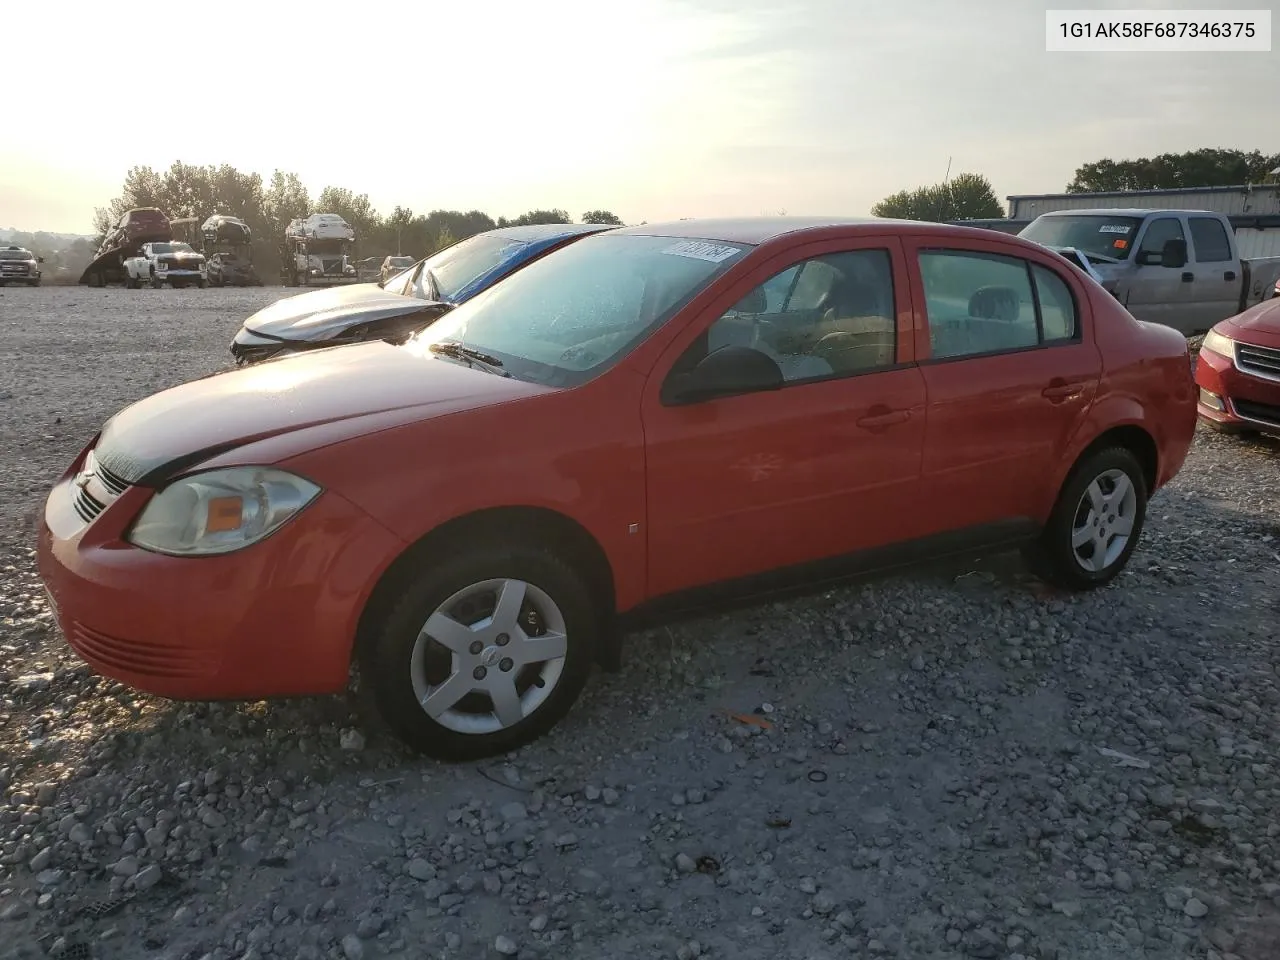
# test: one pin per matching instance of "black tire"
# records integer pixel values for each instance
(1052, 557)
(386, 654)
(34, 283)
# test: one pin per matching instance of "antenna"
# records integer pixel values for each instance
(947, 177)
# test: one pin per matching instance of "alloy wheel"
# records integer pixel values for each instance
(489, 656)
(1104, 521)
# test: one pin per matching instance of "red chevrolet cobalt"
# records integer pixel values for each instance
(654, 417)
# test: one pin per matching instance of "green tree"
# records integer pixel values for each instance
(541, 216)
(187, 191)
(602, 216)
(967, 196)
(285, 200)
(1206, 167)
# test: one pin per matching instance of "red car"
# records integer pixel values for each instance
(1238, 372)
(647, 421)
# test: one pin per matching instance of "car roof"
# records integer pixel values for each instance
(547, 231)
(1119, 212)
(760, 230)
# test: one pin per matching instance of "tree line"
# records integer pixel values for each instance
(186, 190)
(969, 196)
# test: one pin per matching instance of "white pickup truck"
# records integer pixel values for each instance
(161, 262)
(1180, 268)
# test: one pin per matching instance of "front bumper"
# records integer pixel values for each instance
(1235, 400)
(275, 619)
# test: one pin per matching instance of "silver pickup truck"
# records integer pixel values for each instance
(1180, 268)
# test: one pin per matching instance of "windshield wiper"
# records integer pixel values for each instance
(469, 355)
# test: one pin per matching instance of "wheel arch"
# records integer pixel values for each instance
(1135, 438)
(539, 525)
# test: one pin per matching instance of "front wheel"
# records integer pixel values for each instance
(202, 284)
(1095, 524)
(485, 651)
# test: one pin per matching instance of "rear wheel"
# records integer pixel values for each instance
(1095, 524)
(484, 652)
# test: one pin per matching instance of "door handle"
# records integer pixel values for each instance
(882, 418)
(1059, 390)
(1229, 275)
(1188, 277)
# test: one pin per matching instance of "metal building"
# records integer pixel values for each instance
(1250, 200)
(1254, 210)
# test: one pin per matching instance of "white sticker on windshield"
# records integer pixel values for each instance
(1113, 228)
(715, 252)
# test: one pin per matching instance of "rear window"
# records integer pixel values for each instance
(1209, 238)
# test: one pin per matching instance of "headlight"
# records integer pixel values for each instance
(220, 511)
(161, 267)
(1215, 341)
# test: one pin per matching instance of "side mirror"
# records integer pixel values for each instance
(39, 259)
(1174, 253)
(723, 373)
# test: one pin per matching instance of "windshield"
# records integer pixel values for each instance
(14, 255)
(1101, 236)
(171, 248)
(565, 318)
(453, 268)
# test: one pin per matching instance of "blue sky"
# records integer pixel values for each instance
(652, 108)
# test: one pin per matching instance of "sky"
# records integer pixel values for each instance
(654, 109)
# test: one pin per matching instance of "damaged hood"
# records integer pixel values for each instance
(322, 314)
(195, 421)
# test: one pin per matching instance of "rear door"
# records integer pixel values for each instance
(1010, 368)
(1215, 292)
(1158, 293)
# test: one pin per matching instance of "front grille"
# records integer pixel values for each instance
(96, 487)
(87, 505)
(1262, 361)
(139, 657)
(1262, 412)
(20, 268)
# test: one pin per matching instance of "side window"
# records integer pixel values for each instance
(1159, 232)
(828, 316)
(1057, 306)
(1209, 238)
(977, 303)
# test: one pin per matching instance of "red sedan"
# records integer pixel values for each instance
(1238, 372)
(652, 418)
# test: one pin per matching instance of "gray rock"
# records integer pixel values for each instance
(1195, 908)
(420, 869)
(514, 811)
(352, 947)
(506, 946)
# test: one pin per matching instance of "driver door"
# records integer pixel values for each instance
(827, 465)
(1158, 293)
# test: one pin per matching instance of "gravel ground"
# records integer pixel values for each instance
(942, 765)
